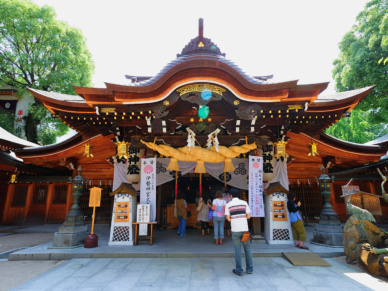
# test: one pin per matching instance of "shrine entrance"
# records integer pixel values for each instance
(189, 185)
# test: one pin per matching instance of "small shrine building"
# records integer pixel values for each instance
(203, 91)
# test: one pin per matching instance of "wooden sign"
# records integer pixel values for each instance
(95, 197)
(122, 212)
(279, 211)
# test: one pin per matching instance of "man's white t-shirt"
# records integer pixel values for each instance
(237, 210)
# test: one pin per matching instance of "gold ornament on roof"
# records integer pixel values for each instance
(88, 150)
(122, 149)
(165, 103)
(13, 179)
(107, 110)
(313, 149)
(295, 107)
(280, 149)
(201, 44)
(200, 88)
(236, 102)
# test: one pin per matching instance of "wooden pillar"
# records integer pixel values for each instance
(372, 187)
(256, 226)
(30, 193)
(69, 199)
(49, 199)
(8, 201)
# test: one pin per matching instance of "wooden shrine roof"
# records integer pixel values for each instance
(9, 141)
(241, 106)
(10, 164)
(125, 188)
(275, 187)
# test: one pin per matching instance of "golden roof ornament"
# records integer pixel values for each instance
(13, 178)
(122, 149)
(280, 149)
(88, 150)
(313, 149)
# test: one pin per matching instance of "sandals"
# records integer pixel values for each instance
(297, 246)
(303, 247)
(237, 273)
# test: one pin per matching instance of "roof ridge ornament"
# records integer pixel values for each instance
(200, 44)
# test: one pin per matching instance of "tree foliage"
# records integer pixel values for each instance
(357, 128)
(357, 65)
(39, 51)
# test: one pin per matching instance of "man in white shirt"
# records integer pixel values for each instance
(237, 212)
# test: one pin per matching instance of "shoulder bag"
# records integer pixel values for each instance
(200, 206)
(246, 236)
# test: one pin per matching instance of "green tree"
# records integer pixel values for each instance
(357, 65)
(39, 51)
(357, 128)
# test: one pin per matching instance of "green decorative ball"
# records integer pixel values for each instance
(203, 111)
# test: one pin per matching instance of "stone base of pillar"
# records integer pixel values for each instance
(258, 239)
(328, 235)
(69, 237)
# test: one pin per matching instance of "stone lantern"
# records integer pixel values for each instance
(73, 231)
(328, 231)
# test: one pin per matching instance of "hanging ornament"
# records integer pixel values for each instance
(88, 150)
(203, 111)
(206, 94)
(122, 149)
(280, 149)
(13, 178)
(313, 149)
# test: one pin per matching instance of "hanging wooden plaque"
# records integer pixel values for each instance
(95, 197)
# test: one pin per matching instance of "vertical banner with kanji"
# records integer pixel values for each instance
(256, 203)
(148, 184)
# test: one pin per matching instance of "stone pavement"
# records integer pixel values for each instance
(167, 244)
(199, 274)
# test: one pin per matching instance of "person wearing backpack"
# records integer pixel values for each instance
(218, 208)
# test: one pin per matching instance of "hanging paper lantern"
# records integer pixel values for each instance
(313, 149)
(280, 149)
(122, 149)
(203, 111)
(13, 178)
(88, 150)
(206, 94)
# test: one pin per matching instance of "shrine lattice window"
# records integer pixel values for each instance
(104, 212)
(311, 198)
(60, 194)
(20, 195)
(40, 194)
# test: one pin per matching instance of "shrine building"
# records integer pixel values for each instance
(203, 92)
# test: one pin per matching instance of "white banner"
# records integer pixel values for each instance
(256, 203)
(148, 184)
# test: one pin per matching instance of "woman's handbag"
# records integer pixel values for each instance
(210, 215)
(246, 236)
(188, 212)
(200, 206)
